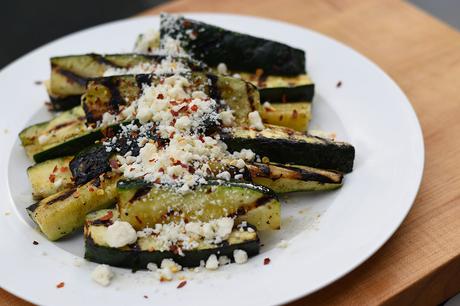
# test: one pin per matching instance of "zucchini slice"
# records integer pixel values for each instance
(64, 212)
(50, 177)
(286, 146)
(42, 136)
(296, 116)
(108, 94)
(144, 205)
(240, 52)
(287, 178)
(139, 254)
(281, 88)
(69, 74)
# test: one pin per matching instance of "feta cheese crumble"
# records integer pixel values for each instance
(255, 121)
(212, 263)
(119, 234)
(240, 256)
(102, 275)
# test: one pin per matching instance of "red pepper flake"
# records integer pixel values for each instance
(182, 284)
(52, 178)
(174, 113)
(160, 96)
(60, 285)
(201, 138)
(114, 164)
(91, 189)
(172, 135)
(173, 122)
(107, 217)
(173, 102)
(339, 84)
(55, 169)
(174, 248)
(194, 108)
(183, 108)
(35, 242)
(162, 81)
(295, 114)
(266, 261)
(138, 219)
(64, 169)
(162, 170)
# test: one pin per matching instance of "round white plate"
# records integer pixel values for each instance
(328, 234)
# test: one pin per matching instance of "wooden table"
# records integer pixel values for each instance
(420, 264)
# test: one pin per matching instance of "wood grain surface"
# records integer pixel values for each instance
(420, 264)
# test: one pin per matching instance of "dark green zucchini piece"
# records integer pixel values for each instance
(111, 93)
(240, 52)
(50, 177)
(45, 135)
(143, 204)
(294, 178)
(138, 255)
(286, 146)
(69, 74)
(64, 212)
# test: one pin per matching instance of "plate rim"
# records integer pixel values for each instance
(407, 103)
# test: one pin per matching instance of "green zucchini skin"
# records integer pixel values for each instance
(136, 258)
(144, 204)
(240, 52)
(287, 94)
(69, 74)
(110, 93)
(286, 146)
(62, 213)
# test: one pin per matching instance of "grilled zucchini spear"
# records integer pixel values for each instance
(144, 251)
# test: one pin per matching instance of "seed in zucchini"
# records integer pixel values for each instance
(110, 93)
(138, 255)
(144, 205)
(294, 178)
(64, 212)
(240, 52)
(286, 146)
(69, 74)
(295, 115)
(50, 177)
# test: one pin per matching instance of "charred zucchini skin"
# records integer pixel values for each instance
(286, 146)
(294, 178)
(110, 93)
(136, 258)
(287, 94)
(69, 74)
(143, 204)
(64, 212)
(240, 52)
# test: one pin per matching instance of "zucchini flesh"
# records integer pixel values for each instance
(281, 88)
(294, 178)
(50, 177)
(42, 136)
(144, 205)
(138, 255)
(108, 94)
(69, 74)
(286, 146)
(64, 212)
(240, 52)
(296, 116)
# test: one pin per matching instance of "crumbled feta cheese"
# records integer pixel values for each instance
(43, 138)
(282, 244)
(227, 117)
(240, 256)
(212, 263)
(119, 234)
(152, 267)
(224, 175)
(224, 260)
(222, 68)
(58, 183)
(255, 121)
(102, 275)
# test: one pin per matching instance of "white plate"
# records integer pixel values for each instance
(329, 234)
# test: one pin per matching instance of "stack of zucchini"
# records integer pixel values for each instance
(76, 183)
